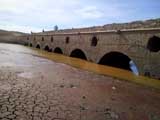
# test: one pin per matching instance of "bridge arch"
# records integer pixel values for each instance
(46, 48)
(154, 44)
(38, 46)
(78, 53)
(119, 60)
(58, 50)
(30, 44)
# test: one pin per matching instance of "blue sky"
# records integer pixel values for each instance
(35, 15)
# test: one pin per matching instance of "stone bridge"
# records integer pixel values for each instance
(115, 47)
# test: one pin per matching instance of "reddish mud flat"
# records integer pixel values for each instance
(35, 88)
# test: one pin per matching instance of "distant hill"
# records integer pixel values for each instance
(11, 37)
(4, 32)
(151, 23)
(15, 37)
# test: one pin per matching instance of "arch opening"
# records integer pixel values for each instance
(67, 40)
(52, 39)
(58, 50)
(94, 41)
(47, 49)
(119, 60)
(30, 45)
(38, 46)
(42, 38)
(77, 53)
(154, 44)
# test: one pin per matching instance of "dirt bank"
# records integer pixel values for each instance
(34, 88)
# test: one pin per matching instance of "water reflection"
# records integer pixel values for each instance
(133, 67)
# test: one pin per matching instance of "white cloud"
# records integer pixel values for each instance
(90, 12)
(14, 27)
(38, 14)
(41, 11)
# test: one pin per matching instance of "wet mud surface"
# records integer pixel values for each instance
(34, 88)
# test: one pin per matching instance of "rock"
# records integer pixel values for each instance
(84, 97)
(62, 86)
(113, 88)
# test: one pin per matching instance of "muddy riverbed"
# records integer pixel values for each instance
(36, 88)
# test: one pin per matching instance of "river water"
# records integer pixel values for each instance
(35, 84)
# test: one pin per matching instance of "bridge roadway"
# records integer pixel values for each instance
(33, 87)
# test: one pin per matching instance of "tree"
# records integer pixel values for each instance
(55, 27)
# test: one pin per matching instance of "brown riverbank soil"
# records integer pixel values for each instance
(34, 88)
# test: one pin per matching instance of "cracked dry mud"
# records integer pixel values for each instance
(29, 99)
(40, 98)
(39, 89)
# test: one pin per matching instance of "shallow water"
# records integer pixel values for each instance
(16, 55)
